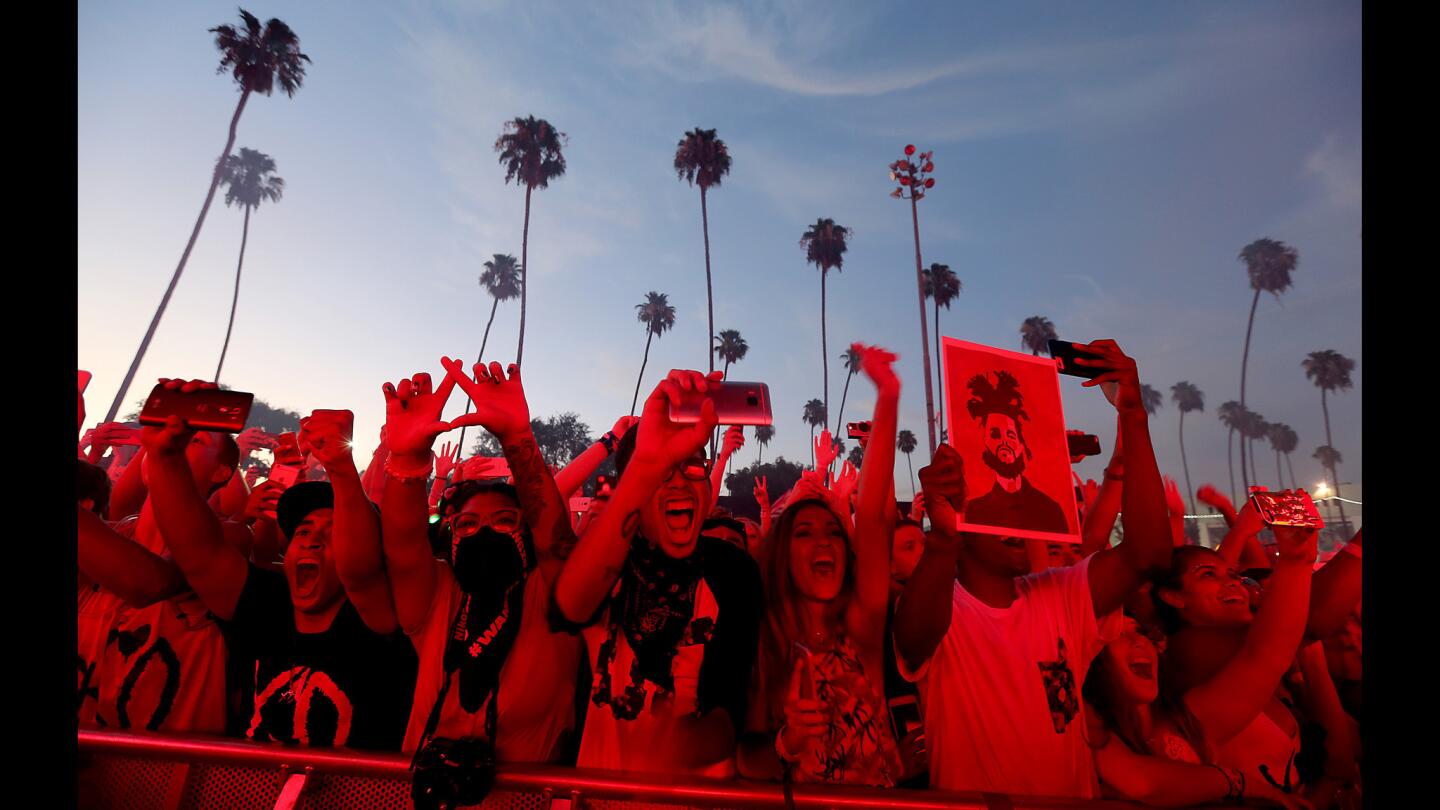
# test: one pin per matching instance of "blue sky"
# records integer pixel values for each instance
(1100, 164)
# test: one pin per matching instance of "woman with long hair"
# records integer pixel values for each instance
(817, 708)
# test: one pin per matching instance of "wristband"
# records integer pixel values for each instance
(785, 756)
(1235, 793)
(417, 474)
(610, 441)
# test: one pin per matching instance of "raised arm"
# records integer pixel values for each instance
(373, 481)
(1100, 516)
(212, 566)
(355, 531)
(922, 616)
(1225, 704)
(874, 505)
(129, 492)
(734, 440)
(660, 444)
(412, 421)
(1116, 572)
(573, 476)
(1159, 782)
(1335, 592)
(122, 566)
(500, 408)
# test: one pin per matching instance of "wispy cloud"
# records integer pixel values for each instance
(1336, 166)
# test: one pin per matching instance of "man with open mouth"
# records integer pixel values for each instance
(330, 666)
(670, 618)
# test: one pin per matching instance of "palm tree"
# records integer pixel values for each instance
(905, 443)
(249, 180)
(1229, 413)
(731, 348)
(852, 367)
(1329, 457)
(763, 435)
(943, 286)
(1036, 333)
(1330, 371)
(1252, 427)
(701, 158)
(530, 151)
(856, 457)
(258, 58)
(825, 245)
(502, 280)
(814, 417)
(1277, 434)
(1269, 264)
(658, 316)
(1289, 440)
(1151, 399)
(1187, 398)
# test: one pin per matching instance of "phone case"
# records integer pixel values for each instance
(224, 411)
(287, 450)
(736, 403)
(286, 475)
(1291, 507)
(1064, 353)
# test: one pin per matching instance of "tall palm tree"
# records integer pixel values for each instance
(851, 357)
(825, 245)
(814, 417)
(658, 316)
(1151, 399)
(905, 443)
(1330, 371)
(1036, 333)
(1253, 427)
(249, 180)
(856, 456)
(763, 435)
(530, 151)
(731, 348)
(1269, 264)
(702, 159)
(942, 286)
(502, 280)
(1288, 441)
(1187, 397)
(258, 59)
(1230, 416)
(1329, 457)
(1276, 434)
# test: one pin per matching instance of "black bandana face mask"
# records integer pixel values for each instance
(489, 561)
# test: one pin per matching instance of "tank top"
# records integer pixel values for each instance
(858, 747)
(1265, 752)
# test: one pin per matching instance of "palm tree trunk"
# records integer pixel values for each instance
(939, 376)
(924, 338)
(709, 294)
(1291, 467)
(234, 300)
(911, 467)
(494, 304)
(1230, 459)
(812, 447)
(525, 284)
(1244, 365)
(1334, 476)
(839, 418)
(1189, 492)
(1254, 476)
(179, 268)
(649, 335)
(824, 349)
(1279, 476)
(759, 452)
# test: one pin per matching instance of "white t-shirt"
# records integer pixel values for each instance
(1002, 691)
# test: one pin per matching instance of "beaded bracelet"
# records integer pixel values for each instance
(418, 474)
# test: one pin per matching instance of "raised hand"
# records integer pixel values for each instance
(878, 364)
(844, 484)
(1296, 544)
(734, 440)
(917, 507)
(174, 436)
(762, 495)
(661, 444)
(804, 720)
(447, 460)
(262, 500)
(253, 438)
(944, 484)
(825, 451)
(1173, 501)
(623, 425)
(326, 435)
(412, 416)
(1124, 394)
(500, 405)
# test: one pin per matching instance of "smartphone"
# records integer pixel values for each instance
(857, 430)
(286, 475)
(84, 380)
(736, 403)
(221, 411)
(287, 450)
(1065, 354)
(1085, 444)
(1289, 507)
(807, 680)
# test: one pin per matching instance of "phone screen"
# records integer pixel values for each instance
(1065, 353)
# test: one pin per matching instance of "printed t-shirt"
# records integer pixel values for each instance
(1002, 690)
(537, 680)
(347, 686)
(711, 665)
(157, 668)
(95, 614)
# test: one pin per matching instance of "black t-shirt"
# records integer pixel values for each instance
(346, 686)
(1027, 508)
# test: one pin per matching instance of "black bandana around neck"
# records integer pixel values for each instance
(491, 568)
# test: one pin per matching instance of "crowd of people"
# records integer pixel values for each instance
(457, 611)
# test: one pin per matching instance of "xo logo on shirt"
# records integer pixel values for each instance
(302, 705)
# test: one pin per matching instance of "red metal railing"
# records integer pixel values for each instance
(168, 772)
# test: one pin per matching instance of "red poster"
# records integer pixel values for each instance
(1004, 416)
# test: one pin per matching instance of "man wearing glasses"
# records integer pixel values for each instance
(670, 619)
